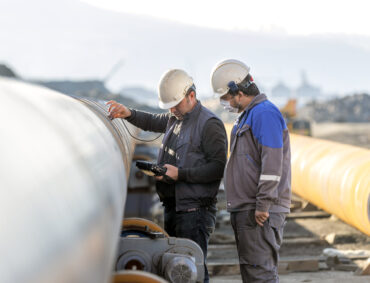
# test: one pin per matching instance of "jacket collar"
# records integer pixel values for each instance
(194, 112)
(244, 114)
(256, 100)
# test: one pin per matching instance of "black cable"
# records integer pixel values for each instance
(136, 138)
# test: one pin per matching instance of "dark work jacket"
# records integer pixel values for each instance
(189, 154)
(190, 193)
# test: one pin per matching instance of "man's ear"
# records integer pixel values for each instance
(192, 94)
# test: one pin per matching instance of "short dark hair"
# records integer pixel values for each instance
(248, 87)
(192, 88)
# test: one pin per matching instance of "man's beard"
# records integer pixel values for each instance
(178, 115)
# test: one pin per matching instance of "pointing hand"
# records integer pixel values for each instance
(117, 110)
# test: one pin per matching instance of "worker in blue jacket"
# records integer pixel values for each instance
(258, 175)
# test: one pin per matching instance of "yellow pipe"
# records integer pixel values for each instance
(141, 224)
(136, 276)
(334, 177)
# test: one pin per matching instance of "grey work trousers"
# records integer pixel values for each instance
(258, 247)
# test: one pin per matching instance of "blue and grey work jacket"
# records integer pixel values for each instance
(258, 173)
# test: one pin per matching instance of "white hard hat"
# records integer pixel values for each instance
(173, 87)
(227, 71)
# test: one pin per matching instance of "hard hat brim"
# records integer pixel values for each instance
(169, 104)
(219, 94)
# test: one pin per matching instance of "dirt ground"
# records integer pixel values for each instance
(326, 277)
(304, 239)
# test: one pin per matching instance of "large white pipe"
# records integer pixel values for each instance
(63, 177)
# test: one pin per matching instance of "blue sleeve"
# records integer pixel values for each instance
(267, 128)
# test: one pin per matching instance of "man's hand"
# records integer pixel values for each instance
(261, 217)
(117, 110)
(172, 172)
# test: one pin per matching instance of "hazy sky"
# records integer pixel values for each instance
(73, 39)
(295, 17)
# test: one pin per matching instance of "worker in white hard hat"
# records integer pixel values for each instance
(257, 174)
(194, 152)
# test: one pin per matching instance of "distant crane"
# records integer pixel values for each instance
(113, 70)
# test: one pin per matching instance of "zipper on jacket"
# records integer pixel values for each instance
(251, 160)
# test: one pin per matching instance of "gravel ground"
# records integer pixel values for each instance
(304, 239)
(324, 276)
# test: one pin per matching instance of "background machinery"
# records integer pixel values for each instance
(142, 199)
(294, 124)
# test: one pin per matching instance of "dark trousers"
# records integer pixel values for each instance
(195, 225)
(258, 247)
(170, 220)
